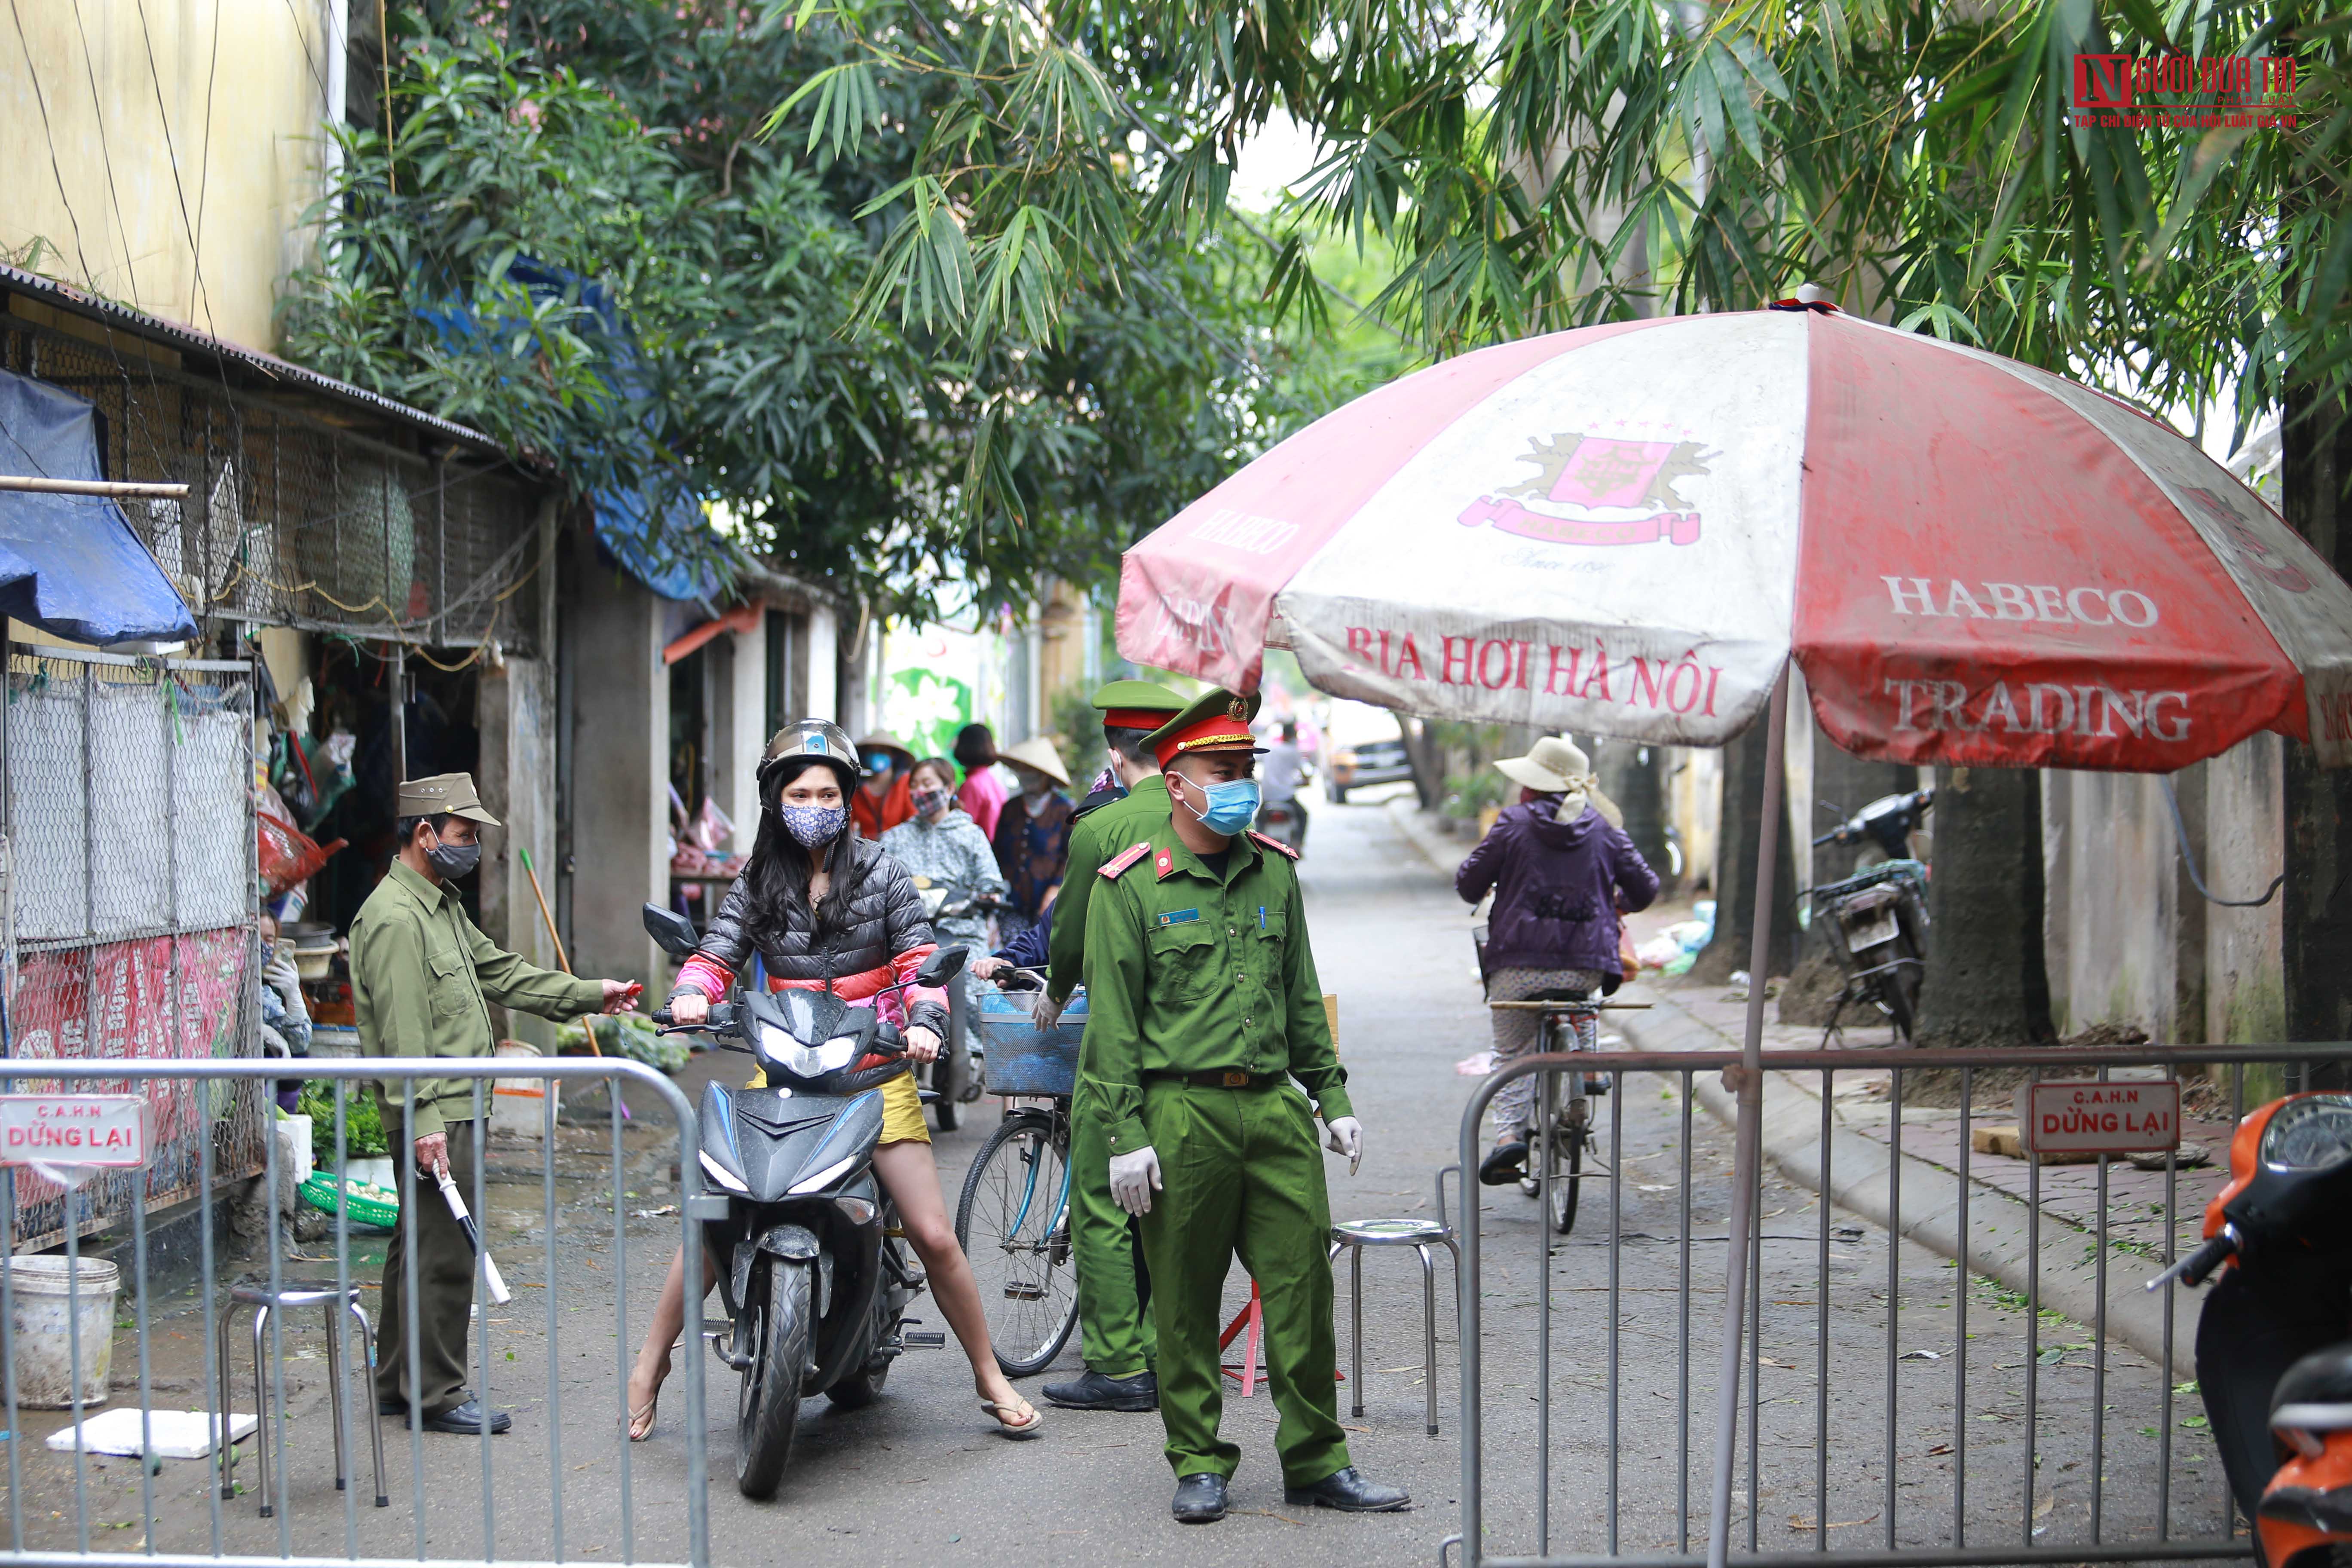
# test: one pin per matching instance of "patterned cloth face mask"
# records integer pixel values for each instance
(813, 825)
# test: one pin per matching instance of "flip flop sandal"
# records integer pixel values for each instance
(1012, 1428)
(1503, 1164)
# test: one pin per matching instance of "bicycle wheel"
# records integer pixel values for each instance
(1014, 1224)
(1565, 1151)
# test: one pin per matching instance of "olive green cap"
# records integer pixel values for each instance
(451, 793)
(1216, 721)
(1141, 696)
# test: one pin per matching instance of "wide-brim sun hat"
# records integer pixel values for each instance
(1551, 765)
(1038, 752)
(883, 741)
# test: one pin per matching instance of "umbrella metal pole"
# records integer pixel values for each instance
(1748, 1147)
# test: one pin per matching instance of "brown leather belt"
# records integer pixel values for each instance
(1221, 1078)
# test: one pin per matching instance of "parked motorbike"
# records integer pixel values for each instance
(811, 1265)
(954, 1074)
(1286, 821)
(1885, 825)
(1877, 918)
(2273, 1367)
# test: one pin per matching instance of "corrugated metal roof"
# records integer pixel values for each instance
(268, 368)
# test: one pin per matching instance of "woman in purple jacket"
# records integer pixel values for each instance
(1562, 869)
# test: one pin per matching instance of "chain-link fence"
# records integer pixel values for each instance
(292, 521)
(131, 900)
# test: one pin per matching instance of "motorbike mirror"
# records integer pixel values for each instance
(943, 965)
(672, 931)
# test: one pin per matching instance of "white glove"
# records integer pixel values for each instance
(1345, 1137)
(280, 975)
(1133, 1179)
(1048, 1014)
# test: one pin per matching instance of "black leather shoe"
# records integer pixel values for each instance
(466, 1420)
(1503, 1164)
(1199, 1499)
(1095, 1391)
(1348, 1491)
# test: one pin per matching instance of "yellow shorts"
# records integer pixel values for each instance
(902, 1109)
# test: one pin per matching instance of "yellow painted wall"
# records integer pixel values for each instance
(242, 91)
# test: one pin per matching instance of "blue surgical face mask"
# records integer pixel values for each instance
(1232, 805)
(879, 762)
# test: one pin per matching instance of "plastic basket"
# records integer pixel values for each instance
(368, 1204)
(1022, 1059)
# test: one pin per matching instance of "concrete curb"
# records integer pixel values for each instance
(1862, 1179)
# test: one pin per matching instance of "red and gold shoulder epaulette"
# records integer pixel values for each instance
(1276, 845)
(1124, 858)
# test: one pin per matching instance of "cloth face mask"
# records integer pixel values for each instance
(928, 802)
(813, 825)
(454, 859)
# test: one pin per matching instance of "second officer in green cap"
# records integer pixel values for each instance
(1209, 1055)
(1107, 1249)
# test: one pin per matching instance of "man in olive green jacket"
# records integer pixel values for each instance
(421, 976)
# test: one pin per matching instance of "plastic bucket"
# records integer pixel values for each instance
(41, 1331)
(519, 1105)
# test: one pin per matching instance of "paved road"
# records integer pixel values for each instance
(919, 1478)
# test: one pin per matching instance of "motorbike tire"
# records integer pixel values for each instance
(768, 1408)
(1899, 992)
(951, 1074)
(862, 1388)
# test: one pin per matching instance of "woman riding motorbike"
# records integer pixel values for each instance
(1562, 869)
(823, 908)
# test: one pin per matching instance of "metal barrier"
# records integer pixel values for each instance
(1942, 1416)
(61, 1515)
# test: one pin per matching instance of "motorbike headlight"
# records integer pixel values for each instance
(2308, 1132)
(836, 1053)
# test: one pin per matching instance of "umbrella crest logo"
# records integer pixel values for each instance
(1598, 490)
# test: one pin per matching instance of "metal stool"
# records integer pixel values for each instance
(1418, 1234)
(290, 1294)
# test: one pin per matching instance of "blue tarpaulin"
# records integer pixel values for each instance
(71, 564)
(657, 532)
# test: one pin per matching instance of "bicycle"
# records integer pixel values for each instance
(1013, 1219)
(1558, 1135)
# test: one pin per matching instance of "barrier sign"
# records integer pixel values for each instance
(108, 1129)
(2120, 1116)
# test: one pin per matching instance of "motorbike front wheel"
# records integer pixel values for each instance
(768, 1408)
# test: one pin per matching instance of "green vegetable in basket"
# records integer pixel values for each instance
(362, 1126)
(632, 1036)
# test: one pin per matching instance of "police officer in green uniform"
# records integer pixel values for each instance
(1203, 1008)
(1105, 1242)
(421, 972)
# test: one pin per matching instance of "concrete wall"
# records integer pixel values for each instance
(231, 153)
(2128, 938)
(2244, 847)
(620, 778)
(738, 689)
(515, 710)
(824, 664)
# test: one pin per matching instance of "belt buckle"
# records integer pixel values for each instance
(1236, 1079)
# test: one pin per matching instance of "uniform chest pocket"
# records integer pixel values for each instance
(450, 990)
(1183, 960)
(1274, 927)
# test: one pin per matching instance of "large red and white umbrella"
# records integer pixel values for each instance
(1628, 530)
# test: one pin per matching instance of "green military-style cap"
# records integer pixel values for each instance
(1136, 704)
(1216, 721)
(451, 793)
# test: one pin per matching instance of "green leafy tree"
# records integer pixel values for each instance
(1534, 166)
(634, 145)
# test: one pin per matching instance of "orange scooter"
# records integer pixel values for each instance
(2273, 1362)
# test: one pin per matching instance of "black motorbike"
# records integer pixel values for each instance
(2273, 1363)
(1877, 918)
(810, 1267)
(955, 1074)
(1286, 822)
